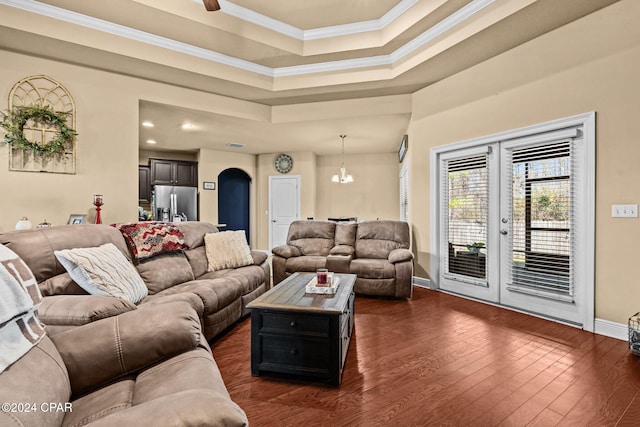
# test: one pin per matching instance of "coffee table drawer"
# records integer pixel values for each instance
(291, 323)
(284, 354)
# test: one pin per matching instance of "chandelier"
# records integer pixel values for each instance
(343, 177)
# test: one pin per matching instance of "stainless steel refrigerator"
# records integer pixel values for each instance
(175, 203)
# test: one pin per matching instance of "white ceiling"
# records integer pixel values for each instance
(279, 53)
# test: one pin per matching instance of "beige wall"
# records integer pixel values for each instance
(373, 194)
(590, 65)
(107, 152)
(210, 164)
(304, 164)
(107, 144)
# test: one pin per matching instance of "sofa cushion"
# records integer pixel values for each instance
(249, 278)
(36, 247)
(61, 284)
(305, 263)
(103, 270)
(227, 249)
(77, 310)
(345, 250)
(101, 403)
(39, 376)
(376, 239)
(312, 237)
(346, 233)
(372, 268)
(148, 239)
(96, 353)
(165, 270)
(198, 260)
(214, 293)
(194, 232)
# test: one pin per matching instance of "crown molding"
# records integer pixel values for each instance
(360, 27)
(442, 27)
(133, 34)
(256, 18)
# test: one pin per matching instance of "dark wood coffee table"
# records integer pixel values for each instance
(296, 333)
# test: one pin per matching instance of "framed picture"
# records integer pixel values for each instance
(402, 151)
(77, 219)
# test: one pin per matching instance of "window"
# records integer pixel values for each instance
(541, 217)
(404, 192)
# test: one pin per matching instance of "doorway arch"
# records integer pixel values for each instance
(234, 192)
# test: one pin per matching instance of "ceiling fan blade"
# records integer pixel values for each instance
(211, 5)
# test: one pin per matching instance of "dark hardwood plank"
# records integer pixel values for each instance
(442, 360)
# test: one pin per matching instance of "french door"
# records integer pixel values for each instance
(515, 216)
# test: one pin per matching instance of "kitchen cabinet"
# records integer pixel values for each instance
(144, 185)
(174, 172)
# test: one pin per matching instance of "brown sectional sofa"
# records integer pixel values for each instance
(146, 367)
(219, 297)
(376, 251)
(116, 363)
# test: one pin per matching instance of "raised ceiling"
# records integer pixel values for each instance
(280, 53)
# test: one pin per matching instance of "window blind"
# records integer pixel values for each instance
(466, 193)
(541, 244)
(404, 193)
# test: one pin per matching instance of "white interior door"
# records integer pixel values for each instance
(526, 197)
(284, 207)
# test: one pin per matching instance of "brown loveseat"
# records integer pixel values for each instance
(219, 297)
(376, 251)
(146, 367)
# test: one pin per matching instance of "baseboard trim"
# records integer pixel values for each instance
(611, 329)
(421, 282)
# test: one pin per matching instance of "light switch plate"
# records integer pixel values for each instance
(624, 211)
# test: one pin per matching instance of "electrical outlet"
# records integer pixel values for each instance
(624, 211)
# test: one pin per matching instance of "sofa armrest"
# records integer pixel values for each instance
(78, 310)
(286, 251)
(342, 250)
(400, 255)
(109, 348)
(339, 263)
(259, 257)
(186, 408)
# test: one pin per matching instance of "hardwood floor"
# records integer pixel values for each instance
(443, 360)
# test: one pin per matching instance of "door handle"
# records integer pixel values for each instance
(504, 232)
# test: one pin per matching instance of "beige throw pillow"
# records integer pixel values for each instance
(227, 249)
(103, 270)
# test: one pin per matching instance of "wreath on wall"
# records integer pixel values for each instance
(15, 120)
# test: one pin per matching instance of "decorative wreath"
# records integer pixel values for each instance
(14, 121)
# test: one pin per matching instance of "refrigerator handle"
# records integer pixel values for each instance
(174, 206)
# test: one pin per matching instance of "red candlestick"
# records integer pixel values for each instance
(97, 202)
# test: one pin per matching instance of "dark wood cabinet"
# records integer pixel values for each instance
(301, 340)
(174, 172)
(144, 184)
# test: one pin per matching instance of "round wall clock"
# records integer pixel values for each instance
(283, 163)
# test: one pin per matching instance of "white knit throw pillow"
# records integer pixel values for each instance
(103, 270)
(227, 249)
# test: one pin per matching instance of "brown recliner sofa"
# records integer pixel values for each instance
(146, 367)
(376, 251)
(219, 297)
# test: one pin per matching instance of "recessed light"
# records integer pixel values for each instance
(151, 141)
(187, 126)
(235, 145)
(147, 124)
